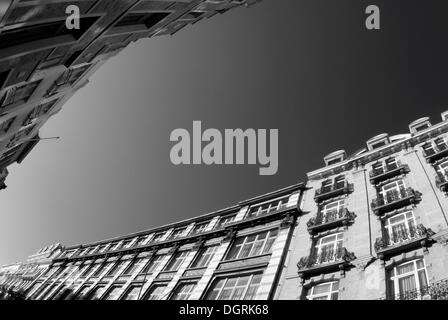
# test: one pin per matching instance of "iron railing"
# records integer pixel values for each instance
(328, 191)
(388, 171)
(394, 197)
(435, 291)
(328, 256)
(402, 236)
(330, 217)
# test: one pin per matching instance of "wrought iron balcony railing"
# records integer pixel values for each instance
(388, 171)
(436, 152)
(442, 181)
(395, 199)
(435, 291)
(334, 190)
(329, 220)
(403, 239)
(331, 259)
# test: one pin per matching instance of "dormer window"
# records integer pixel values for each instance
(419, 125)
(335, 157)
(378, 141)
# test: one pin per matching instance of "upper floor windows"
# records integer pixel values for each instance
(335, 157)
(329, 248)
(419, 125)
(241, 287)
(204, 257)
(113, 271)
(223, 221)
(435, 150)
(252, 245)
(200, 228)
(132, 293)
(324, 291)
(177, 233)
(267, 207)
(378, 141)
(132, 266)
(155, 292)
(408, 280)
(141, 240)
(391, 190)
(400, 227)
(113, 292)
(176, 261)
(332, 208)
(158, 236)
(19, 93)
(331, 188)
(184, 290)
(152, 265)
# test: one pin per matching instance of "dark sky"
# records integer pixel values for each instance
(306, 67)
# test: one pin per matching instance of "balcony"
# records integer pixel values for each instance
(402, 240)
(436, 152)
(435, 291)
(388, 171)
(330, 220)
(395, 199)
(334, 190)
(329, 261)
(442, 181)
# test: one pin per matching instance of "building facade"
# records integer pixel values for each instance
(234, 253)
(375, 224)
(43, 63)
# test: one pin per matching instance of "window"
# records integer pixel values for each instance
(87, 270)
(133, 265)
(443, 167)
(200, 228)
(392, 191)
(422, 127)
(241, 287)
(82, 292)
(252, 245)
(177, 233)
(125, 244)
(5, 125)
(155, 292)
(112, 271)
(440, 143)
(133, 292)
(339, 182)
(141, 240)
(408, 280)
(183, 291)
(268, 207)
(100, 270)
(331, 210)
(148, 19)
(41, 31)
(112, 293)
(379, 144)
(176, 261)
(97, 292)
(152, 264)
(38, 111)
(203, 258)
(400, 227)
(19, 93)
(226, 220)
(324, 291)
(329, 248)
(158, 236)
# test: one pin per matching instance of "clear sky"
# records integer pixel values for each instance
(306, 67)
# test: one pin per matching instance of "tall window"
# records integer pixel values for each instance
(87, 269)
(97, 292)
(152, 265)
(133, 265)
(176, 261)
(392, 190)
(331, 210)
(252, 245)
(400, 227)
(100, 270)
(443, 167)
(132, 293)
(112, 293)
(329, 248)
(204, 257)
(19, 93)
(241, 287)
(408, 280)
(268, 207)
(155, 292)
(324, 291)
(112, 271)
(183, 291)
(177, 233)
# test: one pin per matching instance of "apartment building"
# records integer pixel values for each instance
(234, 253)
(375, 224)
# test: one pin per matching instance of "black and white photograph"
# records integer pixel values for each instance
(264, 151)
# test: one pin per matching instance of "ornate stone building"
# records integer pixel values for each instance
(43, 63)
(375, 224)
(234, 253)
